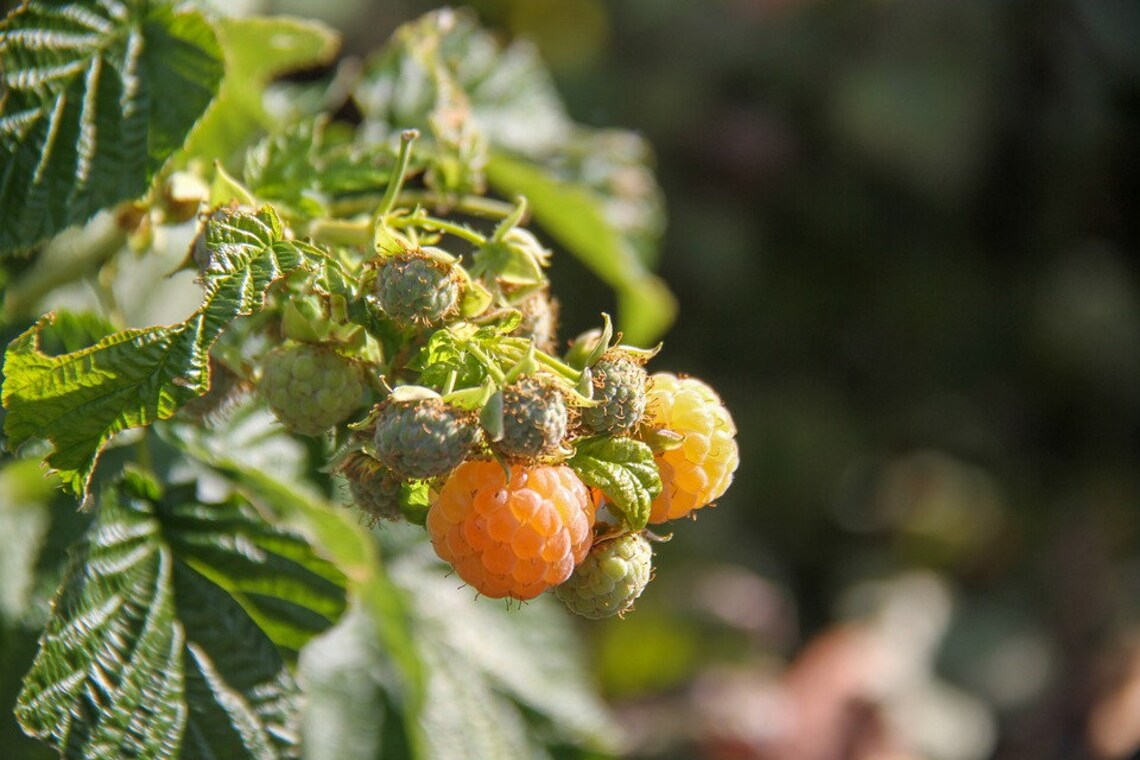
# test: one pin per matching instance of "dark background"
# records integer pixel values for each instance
(902, 234)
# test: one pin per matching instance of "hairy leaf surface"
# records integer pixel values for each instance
(130, 379)
(96, 96)
(146, 656)
(625, 471)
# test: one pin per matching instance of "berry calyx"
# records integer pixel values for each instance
(310, 388)
(513, 538)
(619, 386)
(415, 289)
(700, 469)
(535, 419)
(610, 578)
(422, 438)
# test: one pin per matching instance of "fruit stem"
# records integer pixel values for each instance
(396, 181)
(423, 221)
(473, 205)
(489, 363)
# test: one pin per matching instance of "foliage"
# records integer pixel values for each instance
(212, 579)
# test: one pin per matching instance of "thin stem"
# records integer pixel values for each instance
(439, 225)
(472, 205)
(396, 182)
(489, 363)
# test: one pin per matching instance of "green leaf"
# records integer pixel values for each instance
(96, 97)
(445, 59)
(79, 400)
(290, 592)
(351, 547)
(504, 683)
(625, 471)
(146, 657)
(306, 170)
(257, 50)
(575, 215)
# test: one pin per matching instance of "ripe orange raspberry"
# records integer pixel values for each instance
(513, 539)
(700, 469)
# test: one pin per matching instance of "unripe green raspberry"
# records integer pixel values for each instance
(619, 384)
(423, 438)
(610, 579)
(413, 288)
(534, 420)
(310, 388)
(374, 488)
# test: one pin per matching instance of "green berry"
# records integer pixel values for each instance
(610, 579)
(310, 388)
(534, 420)
(619, 384)
(413, 288)
(375, 489)
(423, 438)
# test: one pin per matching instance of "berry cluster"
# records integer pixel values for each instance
(434, 373)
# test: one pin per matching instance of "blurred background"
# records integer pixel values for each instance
(902, 236)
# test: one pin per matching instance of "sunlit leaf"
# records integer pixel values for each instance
(79, 400)
(96, 97)
(146, 657)
(625, 471)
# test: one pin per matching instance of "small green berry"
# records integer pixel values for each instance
(375, 489)
(310, 388)
(619, 386)
(610, 579)
(534, 420)
(413, 288)
(423, 438)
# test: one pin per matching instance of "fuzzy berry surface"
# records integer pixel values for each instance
(539, 320)
(619, 384)
(610, 579)
(700, 470)
(374, 488)
(414, 289)
(512, 539)
(424, 438)
(535, 420)
(310, 388)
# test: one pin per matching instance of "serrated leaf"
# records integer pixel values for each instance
(79, 400)
(511, 679)
(575, 216)
(625, 471)
(306, 170)
(290, 593)
(507, 92)
(257, 50)
(352, 548)
(96, 97)
(145, 657)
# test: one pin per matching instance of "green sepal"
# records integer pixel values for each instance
(491, 417)
(625, 471)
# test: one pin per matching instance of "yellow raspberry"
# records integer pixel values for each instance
(513, 539)
(700, 469)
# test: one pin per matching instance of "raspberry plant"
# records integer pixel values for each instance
(373, 324)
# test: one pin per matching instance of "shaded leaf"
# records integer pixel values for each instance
(625, 471)
(133, 378)
(351, 547)
(96, 97)
(145, 657)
